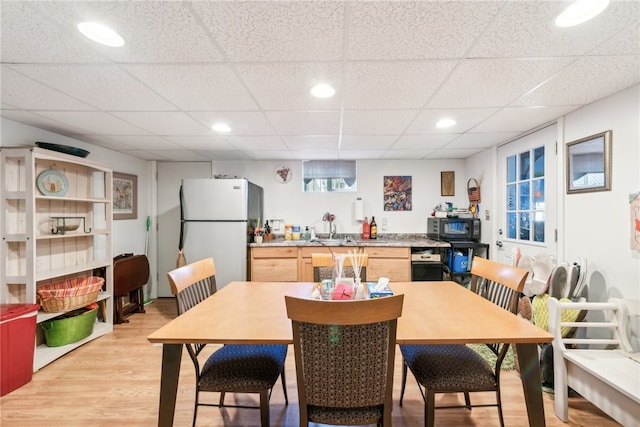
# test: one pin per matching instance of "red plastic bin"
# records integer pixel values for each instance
(17, 345)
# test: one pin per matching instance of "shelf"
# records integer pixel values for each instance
(75, 233)
(45, 355)
(73, 199)
(32, 255)
(43, 315)
(51, 274)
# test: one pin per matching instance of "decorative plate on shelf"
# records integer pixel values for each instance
(52, 182)
(283, 174)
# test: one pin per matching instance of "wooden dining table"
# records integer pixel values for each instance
(433, 313)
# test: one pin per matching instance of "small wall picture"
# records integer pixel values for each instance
(448, 183)
(125, 196)
(397, 193)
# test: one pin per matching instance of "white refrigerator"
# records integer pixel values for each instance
(218, 217)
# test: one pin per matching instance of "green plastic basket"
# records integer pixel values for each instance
(65, 331)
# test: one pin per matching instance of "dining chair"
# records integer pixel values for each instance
(454, 368)
(344, 353)
(323, 266)
(234, 368)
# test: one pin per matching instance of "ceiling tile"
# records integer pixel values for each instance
(586, 80)
(241, 123)
(377, 122)
(416, 30)
(318, 142)
(209, 142)
(494, 82)
(257, 143)
(453, 154)
(305, 123)
(406, 154)
(275, 31)
(94, 122)
(105, 87)
(465, 119)
(23, 92)
(224, 155)
(201, 87)
(392, 85)
(527, 29)
(521, 119)
(315, 154)
(41, 122)
(270, 155)
(415, 142)
(46, 41)
(367, 142)
(286, 86)
(479, 140)
(361, 154)
(165, 123)
(146, 142)
(625, 42)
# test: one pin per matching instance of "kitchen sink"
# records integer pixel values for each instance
(333, 242)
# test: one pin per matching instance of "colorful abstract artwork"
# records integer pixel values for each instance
(397, 193)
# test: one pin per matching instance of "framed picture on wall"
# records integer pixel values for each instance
(448, 183)
(125, 196)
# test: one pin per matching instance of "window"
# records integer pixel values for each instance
(525, 196)
(329, 175)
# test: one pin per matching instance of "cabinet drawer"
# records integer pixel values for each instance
(387, 252)
(274, 252)
(395, 269)
(306, 251)
(274, 270)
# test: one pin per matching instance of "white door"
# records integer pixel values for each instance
(170, 175)
(527, 195)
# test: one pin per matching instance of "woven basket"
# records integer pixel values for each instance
(69, 294)
(473, 190)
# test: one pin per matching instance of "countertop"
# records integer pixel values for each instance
(383, 240)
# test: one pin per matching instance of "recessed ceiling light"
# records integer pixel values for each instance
(581, 11)
(322, 91)
(101, 34)
(221, 127)
(445, 123)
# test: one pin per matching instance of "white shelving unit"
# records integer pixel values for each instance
(33, 255)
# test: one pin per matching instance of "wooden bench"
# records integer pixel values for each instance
(605, 371)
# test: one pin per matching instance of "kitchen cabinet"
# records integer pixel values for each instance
(306, 267)
(393, 263)
(39, 191)
(279, 264)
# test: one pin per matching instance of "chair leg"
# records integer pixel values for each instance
(195, 409)
(284, 387)
(429, 408)
(221, 399)
(467, 400)
(404, 381)
(264, 408)
(499, 404)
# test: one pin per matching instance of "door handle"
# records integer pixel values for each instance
(499, 243)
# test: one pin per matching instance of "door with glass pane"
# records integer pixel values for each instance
(527, 189)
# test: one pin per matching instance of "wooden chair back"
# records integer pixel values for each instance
(323, 266)
(193, 283)
(500, 283)
(327, 332)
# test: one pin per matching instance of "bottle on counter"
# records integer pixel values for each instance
(288, 232)
(295, 232)
(307, 233)
(313, 233)
(366, 229)
(373, 228)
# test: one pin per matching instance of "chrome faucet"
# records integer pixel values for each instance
(332, 227)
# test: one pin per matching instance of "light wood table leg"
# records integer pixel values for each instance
(171, 357)
(531, 383)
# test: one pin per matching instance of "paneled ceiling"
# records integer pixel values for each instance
(499, 68)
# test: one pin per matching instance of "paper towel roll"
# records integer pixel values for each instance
(358, 211)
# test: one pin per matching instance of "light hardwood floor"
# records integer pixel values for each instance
(115, 380)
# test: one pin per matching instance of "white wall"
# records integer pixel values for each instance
(596, 226)
(128, 235)
(287, 201)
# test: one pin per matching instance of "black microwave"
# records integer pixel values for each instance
(467, 229)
